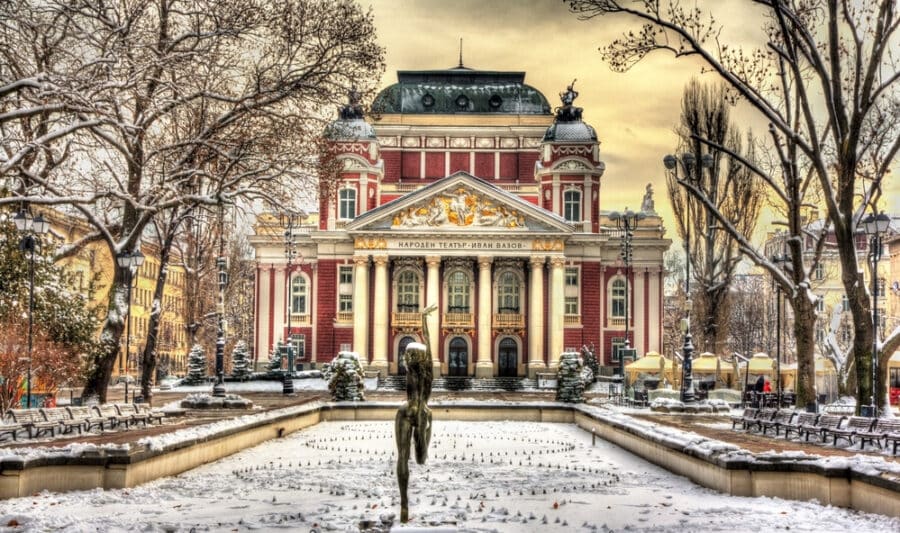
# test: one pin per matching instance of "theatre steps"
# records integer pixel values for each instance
(462, 383)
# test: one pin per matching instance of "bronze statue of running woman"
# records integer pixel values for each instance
(413, 419)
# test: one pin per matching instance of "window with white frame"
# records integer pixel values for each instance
(820, 271)
(458, 296)
(508, 294)
(408, 292)
(617, 299)
(299, 295)
(572, 205)
(617, 344)
(345, 288)
(347, 204)
(571, 295)
(845, 303)
(298, 340)
(820, 304)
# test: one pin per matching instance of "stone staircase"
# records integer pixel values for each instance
(463, 383)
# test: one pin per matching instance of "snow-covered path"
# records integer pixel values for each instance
(481, 476)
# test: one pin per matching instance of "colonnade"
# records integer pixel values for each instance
(541, 334)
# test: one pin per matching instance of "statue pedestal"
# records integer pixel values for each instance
(484, 370)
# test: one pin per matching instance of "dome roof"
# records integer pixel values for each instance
(349, 129)
(570, 132)
(461, 90)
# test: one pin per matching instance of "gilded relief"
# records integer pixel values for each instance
(460, 208)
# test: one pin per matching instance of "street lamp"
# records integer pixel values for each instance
(30, 228)
(779, 260)
(129, 262)
(626, 222)
(290, 249)
(692, 174)
(218, 390)
(875, 226)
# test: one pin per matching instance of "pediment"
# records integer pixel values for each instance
(460, 203)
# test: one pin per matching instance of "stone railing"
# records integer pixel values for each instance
(405, 320)
(509, 320)
(458, 320)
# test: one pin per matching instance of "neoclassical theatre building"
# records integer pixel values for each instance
(465, 190)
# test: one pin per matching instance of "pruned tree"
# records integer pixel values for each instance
(749, 319)
(731, 189)
(181, 103)
(827, 82)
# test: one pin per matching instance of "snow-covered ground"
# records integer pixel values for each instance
(480, 476)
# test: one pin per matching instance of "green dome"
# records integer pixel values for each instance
(460, 90)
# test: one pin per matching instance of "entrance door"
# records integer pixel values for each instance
(401, 355)
(508, 358)
(459, 357)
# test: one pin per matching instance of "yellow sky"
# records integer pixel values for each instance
(634, 113)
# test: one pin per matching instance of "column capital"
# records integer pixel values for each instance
(484, 262)
(557, 262)
(433, 261)
(361, 260)
(380, 260)
(537, 261)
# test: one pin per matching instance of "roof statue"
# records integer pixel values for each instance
(352, 109)
(647, 205)
(568, 112)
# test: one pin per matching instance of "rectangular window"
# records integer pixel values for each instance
(618, 343)
(845, 303)
(347, 204)
(820, 304)
(299, 342)
(345, 288)
(879, 288)
(571, 292)
(820, 271)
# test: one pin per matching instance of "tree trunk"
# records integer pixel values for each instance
(148, 358)
(804, 332)
(102, 361)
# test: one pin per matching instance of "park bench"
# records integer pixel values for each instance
(134, 415)
(9, 427)
(88, 417)
(62, 417)
(825, 425)
(803, 423)
(781, 419)
(151, 414)
(887, 429)
(764, 415)
(109, 413)
(746, 417)
(33, 421)
(855, 425)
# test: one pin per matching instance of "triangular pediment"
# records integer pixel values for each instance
(460, 203)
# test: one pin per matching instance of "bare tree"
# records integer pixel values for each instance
(749, 318)
(828, 85)
(730, 187)
(214, 70)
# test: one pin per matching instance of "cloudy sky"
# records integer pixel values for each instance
(634, 113)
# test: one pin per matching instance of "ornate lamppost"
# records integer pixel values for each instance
(875, 226)
(129, 262)
(31, 228)
(779, 260)
(626, 222)
(290, 250)
(218, 390)
(691, 172)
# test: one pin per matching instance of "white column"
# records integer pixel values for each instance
(363, 199)
(281, 302)
(312, 345)
(653, 324)
(557, 201)
(638, 309)
(264, 342)
(484, 368)
(557, 309)
(433, 296)
(361, 307)
(380, 316)
(536, 318)
(587, 202)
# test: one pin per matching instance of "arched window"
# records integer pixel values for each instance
(347, 204)
(408, 292)
(508, 294)
(299, 295)
(618, 298)
(572, 205)
(458, 293)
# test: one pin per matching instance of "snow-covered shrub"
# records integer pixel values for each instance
(196, 373)
(240, 361)
(275, 358)
(570, 382)
(345, 377)
(589, 356)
